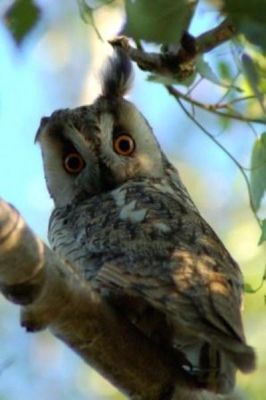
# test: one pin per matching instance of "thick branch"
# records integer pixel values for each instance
(53, 296)
(215, 37)
(179, 62)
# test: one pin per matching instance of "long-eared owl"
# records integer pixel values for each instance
(125, 221)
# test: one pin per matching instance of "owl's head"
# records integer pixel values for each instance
(97, 148)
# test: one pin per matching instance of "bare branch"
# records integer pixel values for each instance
(178, 64)
(215, 108)
(53, 296)
(230, 156)
(215, 37)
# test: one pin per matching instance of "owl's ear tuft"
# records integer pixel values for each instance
(117, 76)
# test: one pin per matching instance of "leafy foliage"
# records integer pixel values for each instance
(253, 77)
(263, 233)
(250, 18)
(21, 18)
(206, 72)
(159, 21)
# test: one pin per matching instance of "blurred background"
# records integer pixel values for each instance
(56, 67)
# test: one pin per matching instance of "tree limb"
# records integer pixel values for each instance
(179, 61)
(53, 296)
(215, 37)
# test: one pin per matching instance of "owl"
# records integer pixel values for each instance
(127, 224)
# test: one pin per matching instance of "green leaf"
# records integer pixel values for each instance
(249, 289)
(206, 72)
(253, 77)
(263, 234)
(224, 70)
(250, 19)
(258, 171)
(86, 12)
(159, 21)
(225, 122)
(264, 275)
(21, 17)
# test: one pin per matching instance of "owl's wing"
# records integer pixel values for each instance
(153, 246)
(199, 301)
(195, 304)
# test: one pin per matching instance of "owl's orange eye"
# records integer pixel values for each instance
(124, 145)
(73, 163)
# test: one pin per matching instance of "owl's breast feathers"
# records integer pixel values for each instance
(146, 240)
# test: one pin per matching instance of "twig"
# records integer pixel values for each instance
(180, 65)
(212, 108)
(232, 158)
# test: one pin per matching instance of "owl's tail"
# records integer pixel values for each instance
(216, 369)
(212, 368)
(242, 355)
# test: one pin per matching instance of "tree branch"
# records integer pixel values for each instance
(179, 62)
(215, 37)
(215, 109)
(53, 296)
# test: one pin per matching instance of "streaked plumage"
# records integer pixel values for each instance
(129, 227)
